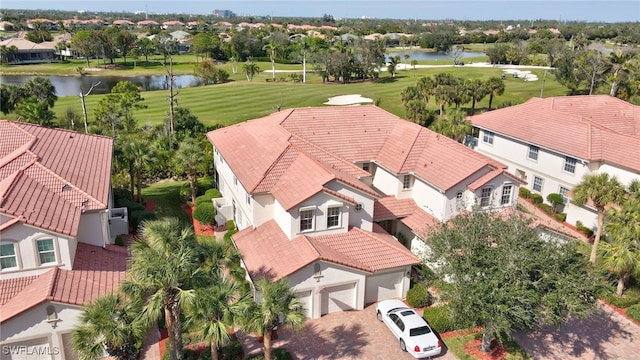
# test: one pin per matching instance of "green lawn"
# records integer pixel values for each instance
(240, 100)
(166, 194)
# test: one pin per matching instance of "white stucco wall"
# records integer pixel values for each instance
(263, 209)
(25, 236)
(429, 199)
(362, 219)
(388, 183)
(320, 203)
(32, 324)
(93, 228)
(330, 275)
(626, 176)
(232, 189)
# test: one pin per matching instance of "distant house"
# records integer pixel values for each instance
(6, 26)
(30, 52)
(123, 23)
(57, 227)
(553, 143)
(197, 25)
(148, 24)
(322, 196)
(48, 24)
(172, 24)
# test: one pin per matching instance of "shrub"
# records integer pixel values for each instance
(137, 217)
(562, 217)
(205, 213)
(418, 296)
(584, 229)
(130, 205)
(634, 312)
(623, 301)
(537, 199)
(208, 195)
(185, 193)
(525, 193)
(439, 317)
(546, 208)
(119, 241)
(555, 199)
(122, 194)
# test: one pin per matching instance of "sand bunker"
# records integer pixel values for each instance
(348, 100)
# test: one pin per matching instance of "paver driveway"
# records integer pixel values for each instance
(606, 335)
(344, 335)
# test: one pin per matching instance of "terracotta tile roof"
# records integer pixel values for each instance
(302, 179)
(262, 151)
(96, 272)
(598, 127)
(266, 250)
(49, 176)
(405, 210)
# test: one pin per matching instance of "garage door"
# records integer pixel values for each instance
(35, 349)
(384, 286)
(305, 299)
(338, 298)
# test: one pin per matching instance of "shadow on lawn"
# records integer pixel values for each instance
(576, 339)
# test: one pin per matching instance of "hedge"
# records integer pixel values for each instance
(418, 296)
(537, 199)
(623, 301)
(137, 217)
(524, 192)
(122, 194)
(560, 217)
(584, 229)
(439, 317)
(208, 195)
(205, 213)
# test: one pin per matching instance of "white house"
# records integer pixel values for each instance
(319, 193)
(553, 143)
(57, 225)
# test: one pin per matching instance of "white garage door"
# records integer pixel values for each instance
(305, 299)
(384, 286)
(338, 298)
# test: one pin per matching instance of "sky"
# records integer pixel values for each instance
(569, 10)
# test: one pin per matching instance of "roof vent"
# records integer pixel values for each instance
(66, 187)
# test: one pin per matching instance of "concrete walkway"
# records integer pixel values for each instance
(606, 335)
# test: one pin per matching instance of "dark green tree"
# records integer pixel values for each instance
(504, 277)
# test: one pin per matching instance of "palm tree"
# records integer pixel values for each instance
(278, 306)
(601, 190)
(36, 112)
(495, 87)
(42, 89)
(143, 156)
(619, 66)
(164, 265)
(393, 65)
(478, 90)
(126, 149)
(250, 69)
(453, 125)
(109, 324)
(621, 256)
(271, 48)
(190, 159)
(217, 309)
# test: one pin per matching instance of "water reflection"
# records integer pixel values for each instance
(70, 85)
(426, 55)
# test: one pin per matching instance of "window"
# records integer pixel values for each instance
(333, 217)
(537, 183)
(487, 137)
(306, 220)
(506, 195)
(46, 251)
(485, 197)
(570, 165)
(563, 191)
(358, 207)
(8, 258)
(365, 166)
(533, 152)
(406, 182)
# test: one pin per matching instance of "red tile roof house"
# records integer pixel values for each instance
(553, 143)
(56, 227)
(316, 193)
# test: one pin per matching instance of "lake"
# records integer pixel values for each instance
(427, 55)
(70, 85)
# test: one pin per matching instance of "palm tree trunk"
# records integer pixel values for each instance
(267, 344)
(304, 69)
(132, 176)
(614, 88)
(192, 184)
(139, 181)
(485, 346)
(596, 241)
(490, 100)
(621, 282)
(473, 106)
(175, 332)
(214, 351)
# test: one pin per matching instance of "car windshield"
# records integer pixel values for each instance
(419, 331)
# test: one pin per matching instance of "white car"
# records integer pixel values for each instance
(414, 333)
